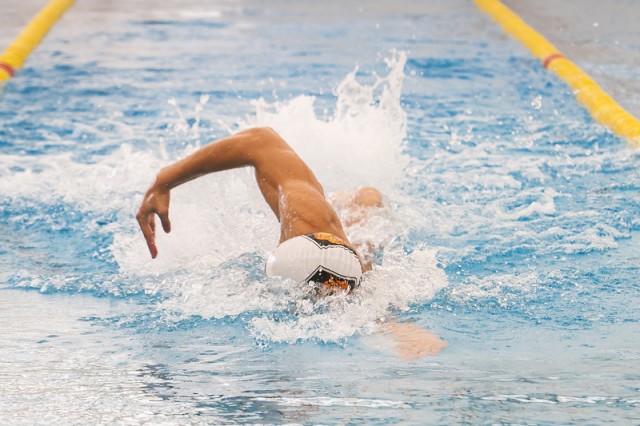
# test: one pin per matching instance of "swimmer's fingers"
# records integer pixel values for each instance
(164, 219)
(152, 224)
(147, 226)
(155, 201)
(162, 209)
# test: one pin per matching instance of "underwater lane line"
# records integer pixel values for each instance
(16, 54)
(604, 109)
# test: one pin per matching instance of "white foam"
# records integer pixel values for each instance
(597, 238)
(545, 205)
(506, 289)
(361, 144)
(324, 401)
(399, 282)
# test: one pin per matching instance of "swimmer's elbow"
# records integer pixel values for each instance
(260, 134)
(263, 143)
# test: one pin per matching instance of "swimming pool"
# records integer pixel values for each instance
(511, 227)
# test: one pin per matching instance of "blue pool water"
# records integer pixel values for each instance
(510, 229)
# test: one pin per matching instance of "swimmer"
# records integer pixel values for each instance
(313, 246)
(310, 230)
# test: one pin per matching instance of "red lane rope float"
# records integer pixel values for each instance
(8, 69)
(547, 61)
(14, 56)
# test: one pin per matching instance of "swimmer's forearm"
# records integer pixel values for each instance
(217, 156)
(228, 153)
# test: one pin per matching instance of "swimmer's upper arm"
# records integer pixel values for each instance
(271, 155)
(262, 143)
(248, 148)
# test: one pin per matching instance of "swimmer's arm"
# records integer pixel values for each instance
(411, 341)
(239, 150)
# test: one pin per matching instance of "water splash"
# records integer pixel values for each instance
(361, 144)
(211, 265)
(182, 126)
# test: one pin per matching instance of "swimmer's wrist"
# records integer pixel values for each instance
(162, 182)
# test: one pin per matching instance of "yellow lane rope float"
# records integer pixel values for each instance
(601, 106)
(13, 58)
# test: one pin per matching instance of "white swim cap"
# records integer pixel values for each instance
(320, 258)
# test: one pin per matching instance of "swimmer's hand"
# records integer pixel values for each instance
(412, 342)
(155, 202)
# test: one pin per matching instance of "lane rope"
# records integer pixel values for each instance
(604, 109)
(16, 54)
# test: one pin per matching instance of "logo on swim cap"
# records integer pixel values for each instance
(320, 258)
(326, 239)
(331, 282)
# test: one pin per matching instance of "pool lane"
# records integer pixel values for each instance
(16, 54)
(603, 109)
(600, 37)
